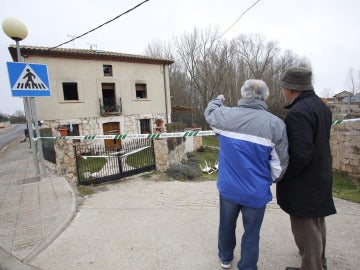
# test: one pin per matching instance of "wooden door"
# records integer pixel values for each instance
(112, 128)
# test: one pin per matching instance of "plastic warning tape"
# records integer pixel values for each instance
(156, 135)
(345, 121)
(134, 136)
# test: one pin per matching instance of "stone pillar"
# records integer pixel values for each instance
(168, 151)
(65, 159)
(161, 150)
(197, 140)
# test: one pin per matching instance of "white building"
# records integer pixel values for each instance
(97, 92)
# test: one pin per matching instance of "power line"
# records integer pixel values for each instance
(92, 30)
(138, 5)
(241, 15)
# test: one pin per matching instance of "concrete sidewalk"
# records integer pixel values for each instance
(34, 209)
(146, 223)
(139, 223)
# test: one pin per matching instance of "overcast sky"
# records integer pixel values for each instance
(326, 32)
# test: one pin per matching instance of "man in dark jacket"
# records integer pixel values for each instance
(305, 192)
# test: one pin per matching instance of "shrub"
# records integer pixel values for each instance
(188, 170)
(193, 160)
(183, 172)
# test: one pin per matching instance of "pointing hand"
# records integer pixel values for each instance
(221, 97)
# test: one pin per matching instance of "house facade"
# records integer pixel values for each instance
(96, 92)
(344, 105)
(353, 98)
(339, 97)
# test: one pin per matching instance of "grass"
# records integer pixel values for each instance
(210, 141)
(85, 190)
(344, 188)
(141, 159)
(90, 165)
(210, 155)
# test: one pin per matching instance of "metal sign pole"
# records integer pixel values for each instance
(31, 133)
(28, 119)
(37, 131)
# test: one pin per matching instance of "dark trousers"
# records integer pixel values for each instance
(310, 238)
(252, 219)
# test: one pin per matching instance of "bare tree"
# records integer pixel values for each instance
(205, 60)
(326, 93)
(207, 66)
(256, 53)
(178, 81)
(19, 113)
(351, 83)
(158, 48)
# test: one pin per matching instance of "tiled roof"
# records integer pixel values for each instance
(86, 54)
(343, 94)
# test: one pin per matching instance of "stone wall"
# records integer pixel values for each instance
(129, 124)
(167, 152)
(165, 156)
(345, 148)
(345, 110)
(344, 142)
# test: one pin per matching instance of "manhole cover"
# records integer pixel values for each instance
(29, 180)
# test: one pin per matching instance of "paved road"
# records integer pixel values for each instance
(150, 224)
(7, 135)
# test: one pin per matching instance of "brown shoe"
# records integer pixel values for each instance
(292, 268)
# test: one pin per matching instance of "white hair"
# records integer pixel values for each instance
(255, 89)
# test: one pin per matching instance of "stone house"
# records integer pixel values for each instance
(353, 98)
(345, 105)
(97, 92)
(340, 96)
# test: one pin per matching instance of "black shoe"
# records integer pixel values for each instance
(292, 268)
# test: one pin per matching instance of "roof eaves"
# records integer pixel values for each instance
(86, 54)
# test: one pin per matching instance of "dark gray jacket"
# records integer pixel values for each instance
(306, 188)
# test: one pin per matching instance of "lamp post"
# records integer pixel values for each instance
(17, 31)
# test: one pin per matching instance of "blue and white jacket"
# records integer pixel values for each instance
(253, 150)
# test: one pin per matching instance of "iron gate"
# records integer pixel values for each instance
(97, 163)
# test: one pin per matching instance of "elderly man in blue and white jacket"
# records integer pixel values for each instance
(253, 155)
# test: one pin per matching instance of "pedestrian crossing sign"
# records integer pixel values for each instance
(28, 80)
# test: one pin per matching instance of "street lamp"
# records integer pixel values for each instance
(17, 31)
(14, 29)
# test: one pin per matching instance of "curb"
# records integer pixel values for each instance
(9, 262)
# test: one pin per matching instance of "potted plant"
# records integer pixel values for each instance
(63, 131)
